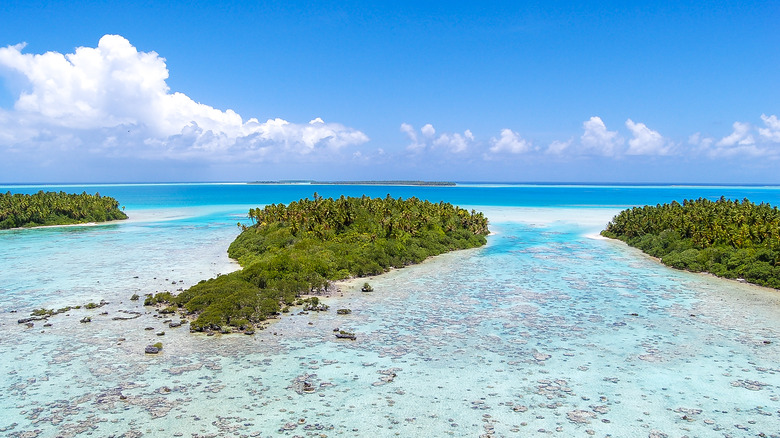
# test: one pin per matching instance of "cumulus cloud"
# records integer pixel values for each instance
(116, 97)
(427, 139)
(455, 142)
(697, 139)
(637, 140)
(742, 142)
(745, 150)
(509, 142)
(559, 147)
(597, 138)
(414, 143)
(740, 136)
(645, 141)
(772, 130)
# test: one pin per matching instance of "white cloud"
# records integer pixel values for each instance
(740, 136)
(451, 142)
(599, 139)
(510, 142)
(745, 150)
(558, 147)
(119, 96)
(772, 130)
(742, 142)
(414, 143)
(305, 138)
(456, 143)
(702, 143)
(645, 141)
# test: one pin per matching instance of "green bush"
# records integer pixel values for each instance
(299, 248)
(730, 239)
(56, 208)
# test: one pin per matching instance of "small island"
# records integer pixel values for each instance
(56, 208)
(362, 183)
(730, 239)
(301, 248)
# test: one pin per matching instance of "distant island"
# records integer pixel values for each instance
(56, 208)
(730, 239)
(362, 183)
(301, 248)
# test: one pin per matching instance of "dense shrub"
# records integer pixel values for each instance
(56, 208)
(301, 247)
(727, 238)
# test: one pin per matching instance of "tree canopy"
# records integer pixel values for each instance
(301, 247)
(731, 239)
(56, 208)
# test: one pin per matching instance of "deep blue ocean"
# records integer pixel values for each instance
(547, 330)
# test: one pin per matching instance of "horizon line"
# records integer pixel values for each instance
(423, 183)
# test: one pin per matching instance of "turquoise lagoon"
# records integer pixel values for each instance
(549, 330)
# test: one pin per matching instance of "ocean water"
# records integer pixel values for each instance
(547, 330)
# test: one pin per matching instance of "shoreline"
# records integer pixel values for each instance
(705, 274)
(343, 290)
(78, 224)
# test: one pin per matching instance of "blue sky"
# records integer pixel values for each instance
(466, 91)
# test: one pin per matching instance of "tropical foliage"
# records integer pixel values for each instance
(56, 208)
(302, 247)
(727, 238)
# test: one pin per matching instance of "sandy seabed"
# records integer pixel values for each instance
(543, 332)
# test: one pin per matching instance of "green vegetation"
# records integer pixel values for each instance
(302, 247)
(43, 313)
(730, 239)
(52, 208)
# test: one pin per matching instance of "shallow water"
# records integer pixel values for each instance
(545, 331)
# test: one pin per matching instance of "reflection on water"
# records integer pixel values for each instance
(544, 331)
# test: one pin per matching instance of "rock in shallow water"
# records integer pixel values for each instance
(580, 416)
(753, 385)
